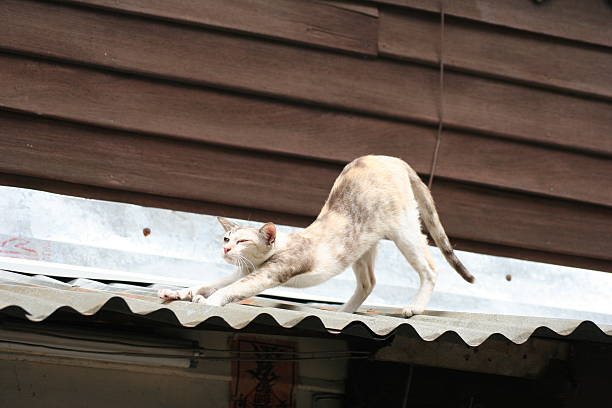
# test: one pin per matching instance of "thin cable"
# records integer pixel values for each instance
(408, 385)
(191, 348)
(118, 342)
(348, 355)
(331, 353)
(434, 160)
(284, 359)
(115, 353)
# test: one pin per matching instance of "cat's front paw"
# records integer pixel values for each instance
(168, 294)
(210, 301)
(199, 299)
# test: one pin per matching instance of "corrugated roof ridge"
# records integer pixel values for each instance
(40, 302)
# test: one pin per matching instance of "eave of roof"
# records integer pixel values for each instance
(39, 297)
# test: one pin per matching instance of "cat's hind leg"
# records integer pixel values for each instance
(413, 245)
(364, 275)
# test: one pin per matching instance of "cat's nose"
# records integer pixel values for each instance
(226, 250)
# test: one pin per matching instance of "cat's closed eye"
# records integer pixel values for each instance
(242, 241)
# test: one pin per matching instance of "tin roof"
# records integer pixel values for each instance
(38, 297)
(70, 237)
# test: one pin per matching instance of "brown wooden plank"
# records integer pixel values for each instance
(314, 23)
(497, 51)
(525, 167)
(530, 255)
(483, 105)
(358, 7)
(378, 87)
(201, 115)
(586, 20)
(124, 161)
(504, 218)
(151, 200)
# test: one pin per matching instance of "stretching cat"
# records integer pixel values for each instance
(374, 197)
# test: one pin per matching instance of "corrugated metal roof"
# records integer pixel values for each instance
(105, 241)
(40, 296)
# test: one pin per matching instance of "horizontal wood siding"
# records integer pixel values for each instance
(584, 20)
(183, 105)
(497, 51)
(378, 87)
(201, 114)
(172, 168)
(320, 23)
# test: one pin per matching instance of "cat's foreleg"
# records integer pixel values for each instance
(364, 275)
(204, 290)
(266, 277)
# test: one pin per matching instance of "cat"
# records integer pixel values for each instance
(375, 197)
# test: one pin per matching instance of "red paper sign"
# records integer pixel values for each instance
(262, 382)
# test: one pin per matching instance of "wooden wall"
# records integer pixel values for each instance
(251, 108)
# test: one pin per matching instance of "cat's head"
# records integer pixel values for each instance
(247, 247)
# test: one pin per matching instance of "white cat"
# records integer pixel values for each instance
(375, 197)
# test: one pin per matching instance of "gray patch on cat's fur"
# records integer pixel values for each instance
(235, 299)
(295, 259)
(345, 199)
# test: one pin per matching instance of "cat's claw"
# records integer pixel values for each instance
(182, 294)
(168, 294)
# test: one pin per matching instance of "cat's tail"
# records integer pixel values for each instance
(430, 217)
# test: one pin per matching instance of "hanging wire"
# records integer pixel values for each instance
(201, 353)
(434, 160)
(185, 347)
(408, 385)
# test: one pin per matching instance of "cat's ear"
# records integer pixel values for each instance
(268, 231)
(226, 224)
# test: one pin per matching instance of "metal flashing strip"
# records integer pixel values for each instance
(68, 237)
(44, 268)
(39, 297)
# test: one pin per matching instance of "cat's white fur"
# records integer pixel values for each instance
(375, 197)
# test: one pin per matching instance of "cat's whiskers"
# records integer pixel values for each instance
(244, 265)
(249, 262)
(240, 262)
